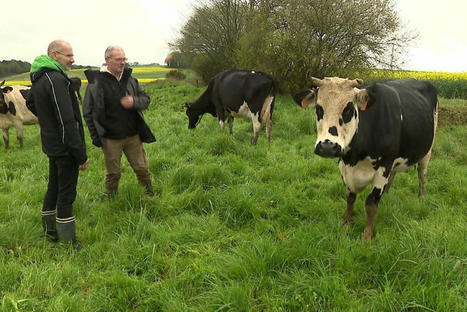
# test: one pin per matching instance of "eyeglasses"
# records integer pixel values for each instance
(67, 55)
(120, 59)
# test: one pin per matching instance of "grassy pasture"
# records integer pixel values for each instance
(235, 227)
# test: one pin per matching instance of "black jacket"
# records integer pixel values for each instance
(106, 120)
(54, 103)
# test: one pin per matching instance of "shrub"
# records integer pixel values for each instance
(175, 74)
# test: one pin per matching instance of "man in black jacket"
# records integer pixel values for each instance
(53, 101)
(112, 108)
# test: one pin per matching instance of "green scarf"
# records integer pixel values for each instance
(45, 61)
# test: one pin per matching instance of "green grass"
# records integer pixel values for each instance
(234, 227)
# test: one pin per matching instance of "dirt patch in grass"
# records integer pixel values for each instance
(452, 115)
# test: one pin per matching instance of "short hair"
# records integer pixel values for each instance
(56, 45)
(110, 49)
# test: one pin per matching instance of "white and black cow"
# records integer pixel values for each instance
(376, 131)
(237, 93)
(13, 111)
(76, 86)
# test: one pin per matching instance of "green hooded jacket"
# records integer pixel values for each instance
(45, 61)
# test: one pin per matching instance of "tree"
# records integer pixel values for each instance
(209, 38)
(294, 39)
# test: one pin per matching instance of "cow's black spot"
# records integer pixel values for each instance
(340, 121)
(333, 131)
(319, 112)
(348, 112)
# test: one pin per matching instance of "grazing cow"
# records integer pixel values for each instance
(376, 132)
(237, 93)
(76, 86)
(13, 111)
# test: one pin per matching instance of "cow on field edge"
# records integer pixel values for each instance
(237, 93)
(76, 86)
(13, 111)
(375, 131)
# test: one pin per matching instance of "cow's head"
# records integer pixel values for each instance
(4, 107)
(194, 115)
(337, 102)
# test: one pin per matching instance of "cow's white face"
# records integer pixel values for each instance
(337, 114)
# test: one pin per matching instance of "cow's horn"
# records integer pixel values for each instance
(316, 81)
(3, 82)
(356, 82)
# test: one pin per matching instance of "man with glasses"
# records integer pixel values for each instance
(53, 101)
(112, 108)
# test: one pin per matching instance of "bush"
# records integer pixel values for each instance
(175, 74)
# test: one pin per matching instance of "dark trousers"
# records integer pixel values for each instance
(61, 189)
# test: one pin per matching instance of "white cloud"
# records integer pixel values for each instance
(442, 42)
(143, 29)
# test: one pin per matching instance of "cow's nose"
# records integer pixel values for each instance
(328, 149)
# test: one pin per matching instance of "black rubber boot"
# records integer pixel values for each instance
(67, 234)
(48, 224)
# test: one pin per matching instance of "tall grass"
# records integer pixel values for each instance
(234, 227)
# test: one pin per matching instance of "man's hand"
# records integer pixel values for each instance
(84, 166)
(128, 102)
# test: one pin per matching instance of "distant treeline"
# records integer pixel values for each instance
(13, 67)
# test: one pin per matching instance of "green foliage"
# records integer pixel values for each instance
(175, 74)
(293, 39)
(451, 89)
(205, 67)
(12, 67)
(234, 227)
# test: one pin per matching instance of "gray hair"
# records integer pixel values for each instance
(56, 45)
(110, 49)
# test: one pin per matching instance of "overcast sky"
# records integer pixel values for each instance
(144, 27)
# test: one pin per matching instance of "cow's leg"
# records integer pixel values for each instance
(422, 169)
(371, 204)
(19, 133)
(221, 124)
(6, 138)
(266, 113)
(391, 178)
(256, 128)
(422, 166)
(351, 197)
(268, 130)
(230, 121)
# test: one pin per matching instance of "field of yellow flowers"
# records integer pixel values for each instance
(450, 85)
(143, 73)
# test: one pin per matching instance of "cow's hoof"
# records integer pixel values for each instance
(367, 234)
(346, 220)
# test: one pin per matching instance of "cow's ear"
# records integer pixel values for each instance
(306, 98)
(12, 108)
(3, 82)
(361, 99)
(7, 89)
